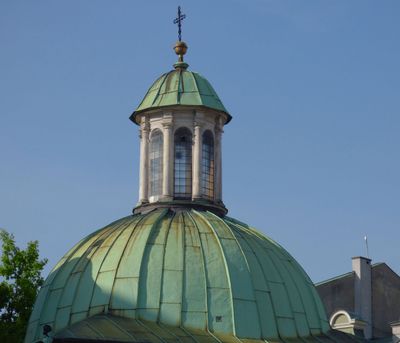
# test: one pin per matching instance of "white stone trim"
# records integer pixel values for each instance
(352, 323)
(144, 159)
(168, 157)
(197, 156)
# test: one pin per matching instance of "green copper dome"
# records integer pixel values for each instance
(169, 274)
(180, 87)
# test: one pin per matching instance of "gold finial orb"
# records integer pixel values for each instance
(180, 48)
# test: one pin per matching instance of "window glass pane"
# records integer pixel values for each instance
(183, 164)
(207, 165)
(156, 163)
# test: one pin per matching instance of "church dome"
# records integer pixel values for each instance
(181, 87)
(190, 270)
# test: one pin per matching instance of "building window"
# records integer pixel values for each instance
(207, 165)
(183, 164)
(156, 162)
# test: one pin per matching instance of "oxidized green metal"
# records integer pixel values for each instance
(184, 270)
(180, 87)
(108, 328)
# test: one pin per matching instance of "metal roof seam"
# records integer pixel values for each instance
(180, 84)
(309, 294)
(227, 275)
(163, 269)
(320, 309)
(193, 213)
(80, 297)
(239, 230)
(146, 252)
(197, 88)
(183, 264)
(182, 248)
(66, 264)
(202, 259)
(165, 76)
(103, 233)
(296, 285)
(141, 323)
(283, 277)
(93, 327)
(275, 297)
(136, 222)
(110, 318)
(96, 283)
(248, 268)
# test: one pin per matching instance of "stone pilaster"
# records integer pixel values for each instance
(168, 159)
(144, 160)
(197, 145)
(218, 160)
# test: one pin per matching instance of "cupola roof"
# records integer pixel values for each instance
(180, 87)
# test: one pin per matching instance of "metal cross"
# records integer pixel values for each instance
(178, 21)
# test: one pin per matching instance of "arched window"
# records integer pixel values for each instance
(183, 164)
(207, 165)
(156, 162)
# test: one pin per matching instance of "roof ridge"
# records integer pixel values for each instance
(334, 278)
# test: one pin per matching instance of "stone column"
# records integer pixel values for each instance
(168, 159)
(197, 152)
(144, 160)
(218, 161)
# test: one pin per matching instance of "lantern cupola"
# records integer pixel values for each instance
(181, 121)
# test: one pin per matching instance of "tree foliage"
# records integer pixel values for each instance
(20, 276)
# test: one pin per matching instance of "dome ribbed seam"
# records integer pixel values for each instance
(217, 239)
(197, 89)
(107, 232)
(248, 269)
(166, 75)
(189, 214)
(95, 284)
(163, 261)
(239, 230)
(136, 221)
(142, 281)
(268, 253)
(103, 237)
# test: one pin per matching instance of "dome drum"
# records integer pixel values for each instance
(181, 158)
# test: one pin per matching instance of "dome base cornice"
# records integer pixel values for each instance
(200, 205)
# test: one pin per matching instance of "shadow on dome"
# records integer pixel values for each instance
(69, 295)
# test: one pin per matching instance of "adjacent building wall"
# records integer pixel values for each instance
(385, 299)
(337, 294)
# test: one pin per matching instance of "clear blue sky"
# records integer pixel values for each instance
(311, 157)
